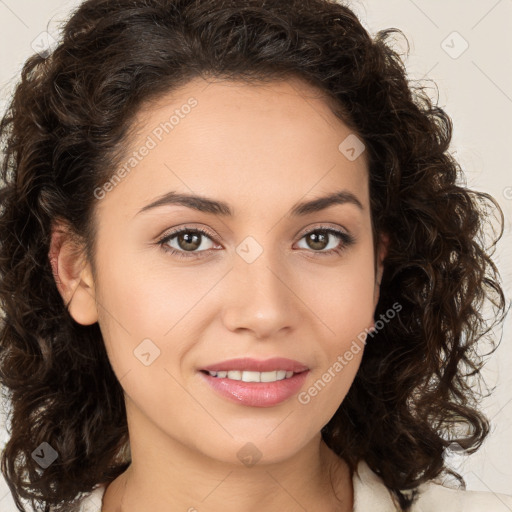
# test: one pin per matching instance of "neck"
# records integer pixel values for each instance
(166, 475)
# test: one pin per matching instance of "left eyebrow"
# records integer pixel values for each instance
(214, 207)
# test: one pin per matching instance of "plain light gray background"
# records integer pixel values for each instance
(465, 48)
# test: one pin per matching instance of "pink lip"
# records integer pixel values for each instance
(256, 394)
(255, 365)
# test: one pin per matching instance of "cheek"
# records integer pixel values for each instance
(151, 316)
(342, 299)
(142, 293)
(345, 311)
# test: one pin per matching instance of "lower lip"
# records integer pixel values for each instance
(257, 394)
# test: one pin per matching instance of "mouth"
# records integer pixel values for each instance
(255, 389)
(250, 365)
(252, 376)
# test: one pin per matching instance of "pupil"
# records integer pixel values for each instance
(186, 237)
(315, 237)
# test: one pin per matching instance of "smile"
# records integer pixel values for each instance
(249, 376)
(249, 388)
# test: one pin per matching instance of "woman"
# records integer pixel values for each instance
(238, 269)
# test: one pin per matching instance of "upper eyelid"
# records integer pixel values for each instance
(206, 231)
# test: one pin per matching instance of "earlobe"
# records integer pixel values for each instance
(72, 275)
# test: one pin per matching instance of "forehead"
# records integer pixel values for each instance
(241, 142)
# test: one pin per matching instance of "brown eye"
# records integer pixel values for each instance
(186, 240)
(320, 238)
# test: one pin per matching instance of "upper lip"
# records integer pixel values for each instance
(256, 365)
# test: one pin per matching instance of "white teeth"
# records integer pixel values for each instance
(247, 376)
(250, 376)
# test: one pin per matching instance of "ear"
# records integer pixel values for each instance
(382, 252)
(73, 275)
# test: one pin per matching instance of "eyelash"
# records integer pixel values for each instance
(347, 241)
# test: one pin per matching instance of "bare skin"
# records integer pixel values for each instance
(337, 497)
(261, 149)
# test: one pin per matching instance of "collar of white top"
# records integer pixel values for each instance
(370, 493)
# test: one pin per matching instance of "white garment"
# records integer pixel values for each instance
(371, 495)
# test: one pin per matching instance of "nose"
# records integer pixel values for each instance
(261, 297)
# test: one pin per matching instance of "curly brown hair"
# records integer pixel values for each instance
(65, 128)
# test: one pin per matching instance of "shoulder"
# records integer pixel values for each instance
(92, 501)
(370, 493)
(434, 497)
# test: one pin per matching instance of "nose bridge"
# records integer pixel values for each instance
(261, 299)
(258, 266)
(262, 274)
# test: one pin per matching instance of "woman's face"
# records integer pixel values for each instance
(254, 287)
